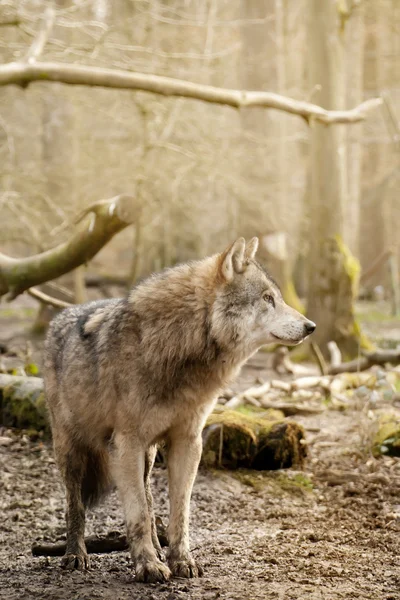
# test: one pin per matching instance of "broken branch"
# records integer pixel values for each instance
(45, 299)
(113, 542)
(369, 359)
(106, 218)
(23, 73)
(39, 42)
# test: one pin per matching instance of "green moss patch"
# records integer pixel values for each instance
(233, 439)
(22, 405)
(387, 438)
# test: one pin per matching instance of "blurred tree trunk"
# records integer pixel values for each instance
(381, 206)
(333, 274)
(281, 35)
(271, 51)
(355, 42)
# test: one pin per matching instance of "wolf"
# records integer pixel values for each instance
(122, 375)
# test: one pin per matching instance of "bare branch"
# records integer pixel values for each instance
(45, 299)
(106, 218)
(39, 42)
(22, 73)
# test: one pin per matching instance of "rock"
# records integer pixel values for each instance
(387, 438)
(22, 403)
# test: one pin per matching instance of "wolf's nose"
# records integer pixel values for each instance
(309, 327)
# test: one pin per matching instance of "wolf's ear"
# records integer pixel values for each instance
(251, 248)
(232, 259)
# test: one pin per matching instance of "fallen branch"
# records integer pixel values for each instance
(290, 409)
(334, 477)
(113, 542)
(45, 299)
(335, 354)
(323, 367)
(22, 73)
(366, 361)
(106, 218)
(282, 364)
(39, 42)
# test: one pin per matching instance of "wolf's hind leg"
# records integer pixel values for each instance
(148, 465)
(73, 467)
(129, 459)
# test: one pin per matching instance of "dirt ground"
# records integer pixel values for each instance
(330, 532)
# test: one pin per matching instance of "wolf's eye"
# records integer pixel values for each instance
(270, 299)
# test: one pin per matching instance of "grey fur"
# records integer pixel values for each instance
(122, 375)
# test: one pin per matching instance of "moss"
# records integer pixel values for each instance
(24, 407)
(355, 380)
(254, 479)
(280, 482)
(387, 438)
(235, 439)
(18, 313)
(295, 482)
(350, 264)
(272, 414)
(352, 268)
(31, 369)
(376, 316)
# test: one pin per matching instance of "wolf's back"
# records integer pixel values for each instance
(67, 324)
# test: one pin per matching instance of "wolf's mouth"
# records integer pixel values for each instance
(287, 341)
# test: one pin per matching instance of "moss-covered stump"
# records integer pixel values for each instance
(22, 403)
(234, 440)
(387, 438)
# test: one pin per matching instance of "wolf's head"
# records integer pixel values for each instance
(249, 309)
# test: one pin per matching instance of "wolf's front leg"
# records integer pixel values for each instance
(183, 461)
(129, 470)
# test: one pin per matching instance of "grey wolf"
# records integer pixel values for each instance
(123, 374)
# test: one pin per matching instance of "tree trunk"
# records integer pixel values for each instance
(355, 37)
(333, 275)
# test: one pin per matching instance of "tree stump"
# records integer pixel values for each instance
(235, 440)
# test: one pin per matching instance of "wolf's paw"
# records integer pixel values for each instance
(185, 567)
(152, 571)
(75, 561)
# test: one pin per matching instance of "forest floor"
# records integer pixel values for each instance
(329, 532)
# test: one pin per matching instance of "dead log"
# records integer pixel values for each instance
(112, 542)
(366, 361)
(97, 225)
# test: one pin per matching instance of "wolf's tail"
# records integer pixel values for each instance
(96, 481)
